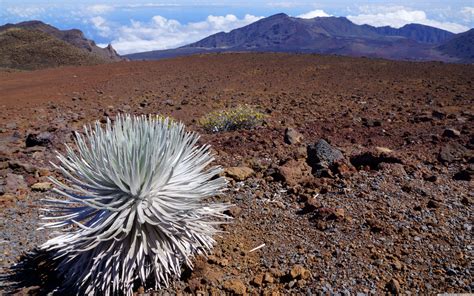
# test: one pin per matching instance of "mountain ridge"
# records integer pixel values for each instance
(461, 46)
(25, 49)
(322, 35)
(73, 37)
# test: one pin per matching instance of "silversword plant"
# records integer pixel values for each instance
(133, 206)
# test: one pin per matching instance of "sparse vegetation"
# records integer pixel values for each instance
(30, 50)
(240, 117)
(161, 117)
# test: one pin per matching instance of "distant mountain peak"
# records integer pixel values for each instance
(278, 15)
(30, 23)
(324, 35)
(417, 26)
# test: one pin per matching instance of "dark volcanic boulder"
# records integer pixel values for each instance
(466, 174)
(41, 139)
(323, 157)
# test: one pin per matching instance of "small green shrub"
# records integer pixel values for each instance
(161, 117)
(240, 117)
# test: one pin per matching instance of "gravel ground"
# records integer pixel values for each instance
(389, 210)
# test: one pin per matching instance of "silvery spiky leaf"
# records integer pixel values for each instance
(134, 205)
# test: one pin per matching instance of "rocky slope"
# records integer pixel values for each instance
(416, 32)
(34, 45)
(30, 50)
(383, 205)
(461, 46)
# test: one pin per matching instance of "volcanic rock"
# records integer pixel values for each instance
(299, 272)
(465, 174)
(41, 186)
(292, 136)
(233, 211)
(235, 286)
(322, 156)
(7, 199)
(293, 172)
(257, 280)
(21, 166)
(268, 278)
(14, 182)
(239, 173)
(41, 139)
(383, 150)
(452, 152)
(393, 287)
(451, 133)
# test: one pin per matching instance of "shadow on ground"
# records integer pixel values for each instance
(33, 275)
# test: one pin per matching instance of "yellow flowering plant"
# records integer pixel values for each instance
(240, 117)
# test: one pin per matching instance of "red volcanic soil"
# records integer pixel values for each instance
(393, 215)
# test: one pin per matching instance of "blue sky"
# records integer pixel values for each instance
(134, 26)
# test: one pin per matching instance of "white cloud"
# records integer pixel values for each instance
(25, 12)
(374, 9)
(99, 9)
(313, 14)
(468, 13)
(163, 33)
(141, 5)
(283, 4)
(101, 25)
(397, 16)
